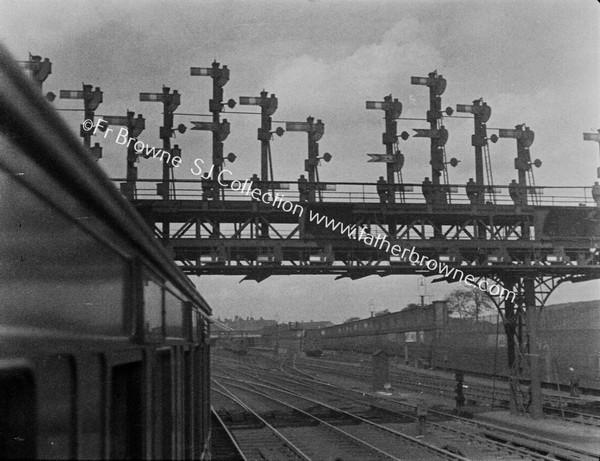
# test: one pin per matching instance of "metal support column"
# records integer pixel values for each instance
(535, 406)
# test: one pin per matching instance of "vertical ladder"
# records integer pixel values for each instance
(488, 171)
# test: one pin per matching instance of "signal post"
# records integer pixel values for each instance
(482, 113)
(220, 130)
(91, 100)
(135, 126)
(315, 133)
(438, 134)
(268, 106)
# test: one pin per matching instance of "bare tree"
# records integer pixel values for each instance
(470, 303)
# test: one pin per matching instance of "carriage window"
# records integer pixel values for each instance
(17, 414)
(197, 396)
(79, 281)
(173, 315)
(162, 401)
(153, 309)
(91, 376)
(187, 403)
(195, 322)
(56, 394)
(126, 412)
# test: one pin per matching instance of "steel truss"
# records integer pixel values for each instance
(526, 249)
(254, 239)
(520, 319)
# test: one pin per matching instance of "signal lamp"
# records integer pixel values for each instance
(498, 257)
(558, 256)
(208, 259)
(592, 136)
(317, 259)
(175, 101)
(41, 68)
(96, 151)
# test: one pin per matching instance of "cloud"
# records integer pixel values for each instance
(335, 90)
(317, 85)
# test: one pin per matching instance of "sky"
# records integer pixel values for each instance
(534, 62)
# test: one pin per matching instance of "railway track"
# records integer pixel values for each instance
(482, 439)
(254, 436)
(562, 406)
(455, 428)
(329, 432)
(223, 444)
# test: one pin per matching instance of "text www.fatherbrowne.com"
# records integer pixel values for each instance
(360, 233)
(276, 200)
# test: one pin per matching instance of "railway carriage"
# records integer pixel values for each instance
(104, 342)
(569, 336)
(408, 334)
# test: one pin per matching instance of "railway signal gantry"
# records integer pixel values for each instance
(528, 239)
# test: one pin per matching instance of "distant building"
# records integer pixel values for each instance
(241, 324)
(288, 338)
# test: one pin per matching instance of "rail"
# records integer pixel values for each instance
(268, 392)
(284, 440)
(356, 192)
(324, 388)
